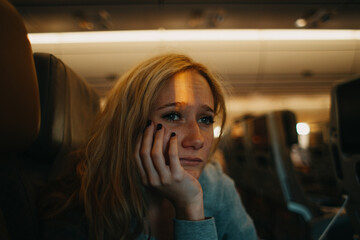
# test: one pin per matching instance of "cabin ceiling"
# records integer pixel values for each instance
(249, 68)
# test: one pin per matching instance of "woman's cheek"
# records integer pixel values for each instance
(209, 138)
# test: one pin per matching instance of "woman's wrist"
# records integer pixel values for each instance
(193, 211)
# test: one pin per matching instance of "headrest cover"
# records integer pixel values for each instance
(68, 108)
(19, 96)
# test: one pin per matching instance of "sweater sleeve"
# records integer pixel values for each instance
(231, 218)
(223, 202)
(195, 230)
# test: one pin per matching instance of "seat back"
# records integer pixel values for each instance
(19, 97)
(271, 191)
(271, 137)
(19, 118)
(345, 143)
(46, 112)
(235, 148)
(68, 109)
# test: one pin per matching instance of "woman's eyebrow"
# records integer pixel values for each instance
(208, 109)
(174, 104)
(179, 104)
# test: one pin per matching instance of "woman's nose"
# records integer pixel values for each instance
(193, 138)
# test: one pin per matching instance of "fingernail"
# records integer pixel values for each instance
(159, 126)
(148, 123)
(173, 134)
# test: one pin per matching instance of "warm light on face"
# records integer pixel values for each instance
(191, 35)
(185, 106)
(303, 128)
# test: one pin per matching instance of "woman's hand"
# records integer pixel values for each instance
(171, 180)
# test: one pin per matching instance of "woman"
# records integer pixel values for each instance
(144, 172)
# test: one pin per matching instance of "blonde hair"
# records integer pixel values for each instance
(111, 190)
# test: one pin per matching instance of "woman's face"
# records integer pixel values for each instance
(185, 106)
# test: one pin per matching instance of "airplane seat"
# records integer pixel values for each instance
(68, 109)
(234, 150)
(345, 144)
(278, 203)
(282, 131)
(46, 111)
(19, 121)
(271, 136)
(19, 96)
(318, 178)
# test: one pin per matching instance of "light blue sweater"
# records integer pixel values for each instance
(226, 218)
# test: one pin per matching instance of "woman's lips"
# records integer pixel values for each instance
(190, 161)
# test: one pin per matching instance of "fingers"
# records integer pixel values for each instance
(145, 151)
(150, 157)
(171, 180)
(174, 162)
(158, 157)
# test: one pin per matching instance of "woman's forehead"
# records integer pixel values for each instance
(188, 87)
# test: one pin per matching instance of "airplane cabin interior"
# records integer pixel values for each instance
(291, 142)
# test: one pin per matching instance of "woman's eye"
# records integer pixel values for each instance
(172, 116)
(208, 120)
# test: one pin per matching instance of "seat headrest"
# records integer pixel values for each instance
(19, 95)
(346, 115)
(289, 124)
(68, 109)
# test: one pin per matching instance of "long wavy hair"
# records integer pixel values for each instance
(111, 190)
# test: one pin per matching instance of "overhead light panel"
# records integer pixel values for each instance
(191, 35)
